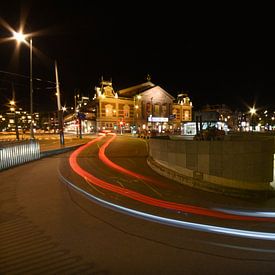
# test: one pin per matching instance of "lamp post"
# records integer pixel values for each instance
(20, 37)
(136, 107)
(31, 91)
(60, 111)
(252, 112)
(134, 113)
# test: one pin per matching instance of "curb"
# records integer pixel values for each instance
(207, 186)
(48, 153)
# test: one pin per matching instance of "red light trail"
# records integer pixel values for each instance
(143, 198)
(122, 170)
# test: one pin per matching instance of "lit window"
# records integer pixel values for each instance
(156, 110)
(109, 110)
(126, 110)
(186, 115)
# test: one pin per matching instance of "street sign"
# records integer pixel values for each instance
(81, 116)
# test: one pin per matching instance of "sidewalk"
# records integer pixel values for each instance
(50, 147)
(51, 142)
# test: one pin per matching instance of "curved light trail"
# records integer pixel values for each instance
(111, 164)
(177, 223)
(153, 201)
(120, 169)
(255, 213)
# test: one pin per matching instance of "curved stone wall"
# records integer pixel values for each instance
(240, 164)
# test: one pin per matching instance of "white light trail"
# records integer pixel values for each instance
(174, 222)
(247, 213)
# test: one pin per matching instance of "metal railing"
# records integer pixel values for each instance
(12, 154)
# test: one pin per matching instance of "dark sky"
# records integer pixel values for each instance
(219, 53)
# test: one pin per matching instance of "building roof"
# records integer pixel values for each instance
(157, 90)
(131, 91)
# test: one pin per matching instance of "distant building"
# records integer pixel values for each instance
(226, 115)
(18, 119)
(182, 111)
(143, 107)
(217, 116)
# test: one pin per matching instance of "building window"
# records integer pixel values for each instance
(148, 109)
(174, 112)
(164, 110)
(186, 115)
(156, 110)
(126, 111)
(109, 110)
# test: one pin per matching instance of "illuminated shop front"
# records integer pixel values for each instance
(158, 124)
(190, 128)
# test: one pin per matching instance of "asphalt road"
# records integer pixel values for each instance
(49, 228)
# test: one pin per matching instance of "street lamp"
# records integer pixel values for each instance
(136, 107)
(13, 110)
(60, 111)
(252, 112)
(20, 37)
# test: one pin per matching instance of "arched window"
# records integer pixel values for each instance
(186, 115)
(109, 110)
(148, 108)
(126, 111)
(156, 110)
(164, 110)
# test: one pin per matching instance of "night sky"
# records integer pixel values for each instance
(218, 53)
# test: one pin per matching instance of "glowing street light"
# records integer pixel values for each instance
(252, 111)
(136, 107)
(20, 37)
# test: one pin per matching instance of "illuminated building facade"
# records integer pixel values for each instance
(143, 107)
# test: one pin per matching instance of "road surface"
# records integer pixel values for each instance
(47, 227)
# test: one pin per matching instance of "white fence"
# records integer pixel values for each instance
(12, 154)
